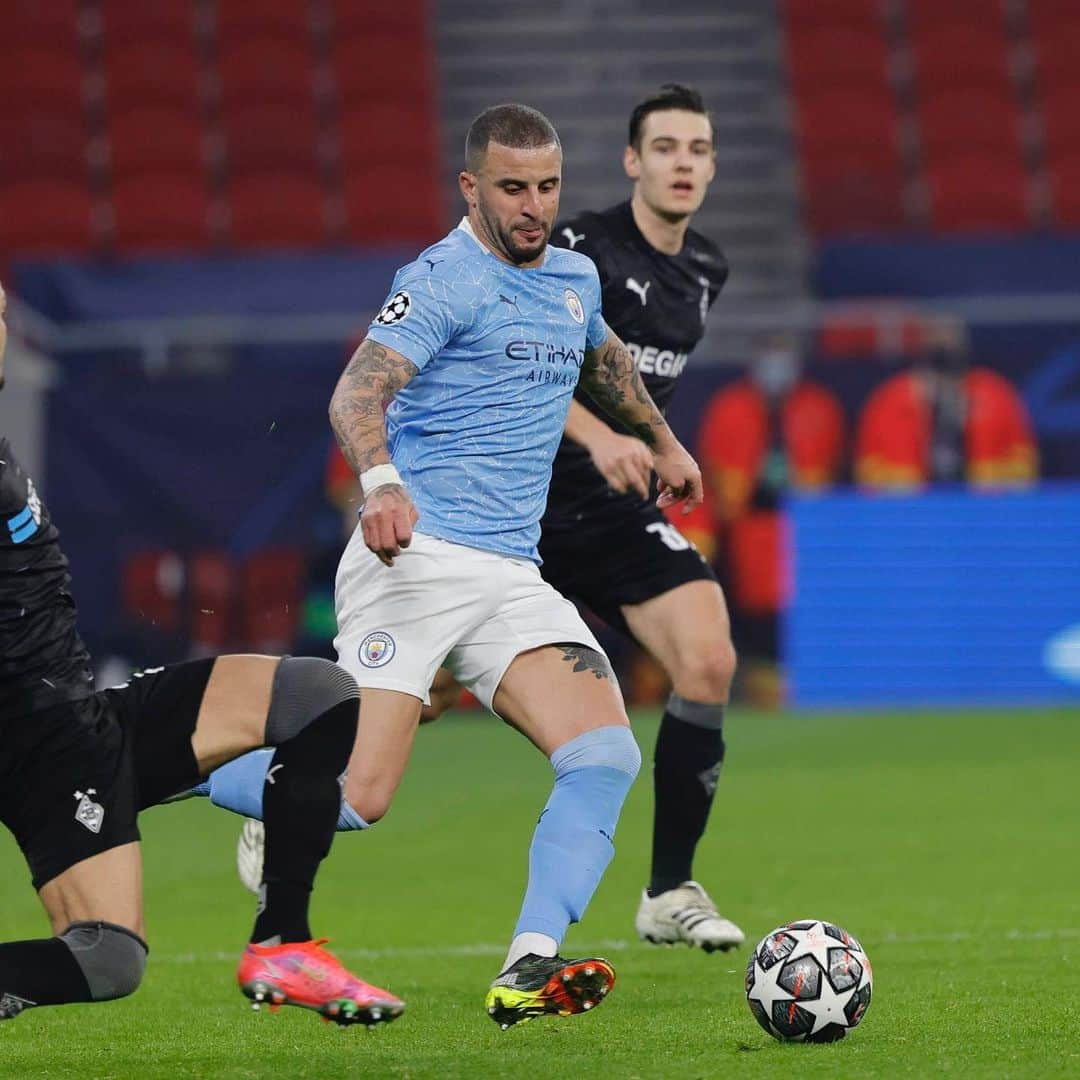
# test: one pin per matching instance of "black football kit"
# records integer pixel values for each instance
(76, 765)
(605, 548)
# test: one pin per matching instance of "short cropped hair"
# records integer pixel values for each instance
(669, 96)
(516, 126)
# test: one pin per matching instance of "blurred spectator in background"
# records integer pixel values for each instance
(945, 422)
(763, 435)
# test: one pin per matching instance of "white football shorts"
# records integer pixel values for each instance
(444, 604)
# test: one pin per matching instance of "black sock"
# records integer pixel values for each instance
(42, 972)
(301, 800)
(685, 770)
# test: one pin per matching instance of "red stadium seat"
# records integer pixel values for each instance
(1056, 52)
(852, 192)
(211, 596)
(136, 144)
(238, 20)
(970, 120)
(823, 55)
(271, 593)
(33, 24)
(388, 205)
(44, 144)
(923, 14)
(840, 118)
(136, 23)
(266, 70)
(276, 211)
(368, 67)
(949, 55)
(407, 20)
(46, 217)
(161, 212)
(1061, 119)
(152, 583)
(1065, 184)
(42, 78)
(804, 13)
(153, 73)
(268, 137)
(377, 131)
(978, 194)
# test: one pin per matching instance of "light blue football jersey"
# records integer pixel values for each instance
(499, 350)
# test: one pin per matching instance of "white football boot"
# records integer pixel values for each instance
(686, 913)
(250, 851)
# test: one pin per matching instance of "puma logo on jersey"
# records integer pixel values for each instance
(641, 290)
(510, 302)
(572, 237)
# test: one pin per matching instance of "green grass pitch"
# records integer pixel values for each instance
(948, 843)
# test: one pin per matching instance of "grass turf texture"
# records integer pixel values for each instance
(946, 842)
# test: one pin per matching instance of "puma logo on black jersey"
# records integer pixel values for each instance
(572, 237)
(641, 290)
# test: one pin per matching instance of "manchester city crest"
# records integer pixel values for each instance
(573, 305)
(377, 649)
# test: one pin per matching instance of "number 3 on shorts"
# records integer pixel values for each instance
(671, 536)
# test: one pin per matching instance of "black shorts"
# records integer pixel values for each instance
(74, 777)
(620, 560)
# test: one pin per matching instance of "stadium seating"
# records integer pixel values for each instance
(45, 217)
(155, 139)
(152, 583)
(1065, 184)
(385, 204)
(977, 193)
(125, 101)
(270, 597)
(150, 72)
(211, 596)
(161, 211)
(239, 20)
(271, 210)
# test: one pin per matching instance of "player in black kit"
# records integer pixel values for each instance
(76, 767)
(604, 542)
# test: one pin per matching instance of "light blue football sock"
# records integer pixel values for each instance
(573, 841)
(238, 786)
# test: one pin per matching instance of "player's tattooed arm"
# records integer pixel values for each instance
(367, 385)
(586, 660)
(610, 377)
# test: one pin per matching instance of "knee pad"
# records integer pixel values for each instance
(111, 958)
(305, 687)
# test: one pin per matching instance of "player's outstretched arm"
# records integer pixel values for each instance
(357, 414)
(611, 379)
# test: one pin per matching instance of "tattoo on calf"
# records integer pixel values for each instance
(585, 659)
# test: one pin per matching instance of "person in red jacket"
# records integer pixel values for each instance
(761, 436)
(945, 421)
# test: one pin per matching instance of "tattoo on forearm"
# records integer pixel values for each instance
(371, 379)
(611, 379)
(585, 659)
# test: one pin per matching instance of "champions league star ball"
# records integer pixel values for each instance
(808, 981)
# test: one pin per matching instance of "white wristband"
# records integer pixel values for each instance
(377, 476)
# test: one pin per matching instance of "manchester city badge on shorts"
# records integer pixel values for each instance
(395, 309)
(573, 305)
(377, 649)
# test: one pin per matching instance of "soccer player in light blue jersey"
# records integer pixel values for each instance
(478, 350)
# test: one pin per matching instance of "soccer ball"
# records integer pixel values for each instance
(808, 981)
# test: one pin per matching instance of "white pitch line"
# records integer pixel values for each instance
(621, 944)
